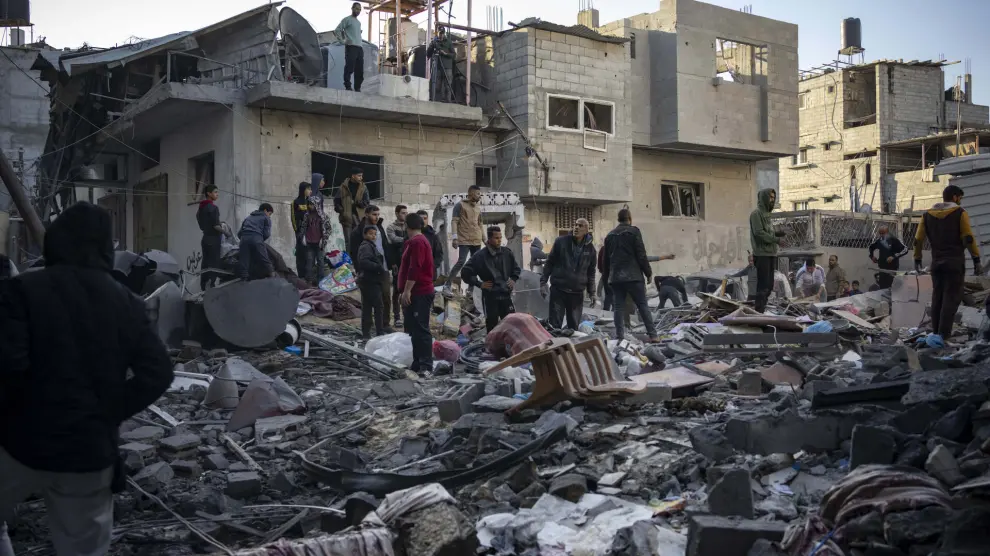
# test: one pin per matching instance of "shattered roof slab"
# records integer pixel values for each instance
(573, 30)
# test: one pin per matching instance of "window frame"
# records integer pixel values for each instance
(581, 119)
(699, 194)
(797, 206)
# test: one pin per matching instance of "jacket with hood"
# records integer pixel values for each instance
(536, 254)
(761, 234)
(370, 264)
(257, 224)
(570, 267)
(68, 335)
(299, 207)
(498, 268)
(350, 201)
(946, 226)
(625, 256)
(357, 237)
(208, 216)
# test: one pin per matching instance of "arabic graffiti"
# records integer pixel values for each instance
(194, 261)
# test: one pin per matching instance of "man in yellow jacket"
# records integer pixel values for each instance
(946, 226)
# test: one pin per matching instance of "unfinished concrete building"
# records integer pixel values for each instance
(667, 113)
(871, 134)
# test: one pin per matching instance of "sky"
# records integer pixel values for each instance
(894, 29)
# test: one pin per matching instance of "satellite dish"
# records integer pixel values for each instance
(866, 209)
(302, 45)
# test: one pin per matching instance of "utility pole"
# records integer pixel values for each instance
(958, 113)
(21, 201)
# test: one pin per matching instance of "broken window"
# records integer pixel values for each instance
(740, 62)
(598, 116)
(869, 174)
(802, 101)
(681, 199)
(201, 168)
(801, 205)
(563, 112)
(483, 175)
(800, 158)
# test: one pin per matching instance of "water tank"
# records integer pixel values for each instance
(418, 61)
(15, 13)
(852, 35)
(333, 56)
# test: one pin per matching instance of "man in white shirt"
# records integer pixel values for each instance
(810, 279)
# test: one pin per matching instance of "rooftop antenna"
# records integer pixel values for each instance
(302, 45)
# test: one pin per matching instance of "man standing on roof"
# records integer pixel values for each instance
(571, 267)
(349, 33)
(764, 241)
(350, 201)
(208, 218)
(946, 227)
(466, 231)
(889, 257)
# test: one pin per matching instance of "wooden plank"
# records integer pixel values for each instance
(854, 319)
(769, 338)
(281, 531)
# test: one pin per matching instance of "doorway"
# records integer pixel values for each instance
(151, 214)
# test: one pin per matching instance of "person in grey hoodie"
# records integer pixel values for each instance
(764, 241)
(253, 253)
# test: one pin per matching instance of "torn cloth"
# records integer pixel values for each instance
(328, 306)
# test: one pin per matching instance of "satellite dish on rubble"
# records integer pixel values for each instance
(302, 45)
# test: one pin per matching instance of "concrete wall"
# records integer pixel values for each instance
(920, 185)
(24, 118)
(911, 101)
(575, 67)
(680, 52)
(972, 115)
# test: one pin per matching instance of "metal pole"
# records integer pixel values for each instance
(34, 226)
(429, 32)
(467, 93)
(958, 113)
(398, 37)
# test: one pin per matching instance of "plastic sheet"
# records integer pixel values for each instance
(395, 347)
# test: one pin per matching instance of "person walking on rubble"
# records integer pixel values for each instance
(253, 260)
(372, 272)
(627, 270)
(300, 206)
(466, 230)
(313, 236)
(396, 235)
(208, 218)
(947, 229)
(63, 396)
(765, 242)
(349, 33)
(435, 243)
(571, 268)
(493, 269)
(351, 199)
(416, 283)
(373, 217)
(886, 252)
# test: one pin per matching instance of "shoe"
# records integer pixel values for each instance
(935, 341)
(365, 338)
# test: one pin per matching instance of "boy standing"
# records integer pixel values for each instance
(370, 265)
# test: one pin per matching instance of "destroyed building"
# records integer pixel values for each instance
(594, 119)
(872, 132)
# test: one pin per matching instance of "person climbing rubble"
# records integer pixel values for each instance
(253, 260)
(74, 388)
(947, 229)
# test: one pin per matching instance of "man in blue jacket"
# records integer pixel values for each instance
(253, 253)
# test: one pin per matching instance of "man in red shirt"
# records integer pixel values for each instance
(416, 284)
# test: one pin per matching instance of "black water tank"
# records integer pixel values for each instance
(15, 13)
(852, 33)
(418, 61)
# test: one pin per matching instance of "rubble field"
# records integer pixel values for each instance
(821, 429)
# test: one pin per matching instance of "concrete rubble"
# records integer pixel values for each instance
(853, 441)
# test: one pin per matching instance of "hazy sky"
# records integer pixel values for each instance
(908, 29)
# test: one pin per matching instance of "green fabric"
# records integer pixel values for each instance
(349, 31)
(761, 234)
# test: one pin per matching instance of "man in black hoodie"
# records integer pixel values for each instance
(208, 218)
(624, 268)
(79, 357)
(252, 256)
(571, 268)
(370, 265)
(435, 243)
(493, 269)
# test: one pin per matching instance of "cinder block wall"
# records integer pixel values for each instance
(911, 101)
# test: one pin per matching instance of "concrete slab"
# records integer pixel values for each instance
(910, 297)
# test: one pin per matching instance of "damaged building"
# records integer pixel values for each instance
(668, 113)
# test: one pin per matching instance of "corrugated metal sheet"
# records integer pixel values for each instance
(573, 30)
(977, 203)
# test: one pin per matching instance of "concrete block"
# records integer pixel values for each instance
(457, 401)
(243, 485)
(279, 429)
(155, 475)
(751, 382)
(732, 495)
(144, 434)
(655, 393)
(871, 445)
(216, 462)
(943, 466)
(180, 443)
(710, 535)
(186, 468)
(143, 450)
